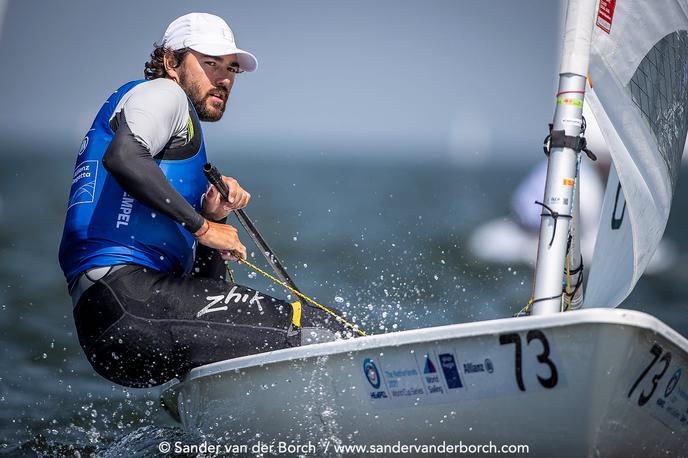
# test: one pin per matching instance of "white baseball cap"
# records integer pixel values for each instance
(207, 34)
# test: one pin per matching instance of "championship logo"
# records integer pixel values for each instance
(371, 373)
(673, 381)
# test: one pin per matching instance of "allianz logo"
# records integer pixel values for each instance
(485, 366)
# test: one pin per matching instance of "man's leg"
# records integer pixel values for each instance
(140, 327)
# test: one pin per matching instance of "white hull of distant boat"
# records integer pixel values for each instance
(503, 241)
(596, 382)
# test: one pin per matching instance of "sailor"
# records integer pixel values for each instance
(144, 244)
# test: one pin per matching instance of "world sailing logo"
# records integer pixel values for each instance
(432, 378)
(429, 366)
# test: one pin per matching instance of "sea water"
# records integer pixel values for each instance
(384, 241)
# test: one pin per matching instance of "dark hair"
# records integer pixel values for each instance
(155, 67)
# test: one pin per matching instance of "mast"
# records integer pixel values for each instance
(562, 165)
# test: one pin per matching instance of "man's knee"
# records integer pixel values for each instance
(317, 325)
(311, 335)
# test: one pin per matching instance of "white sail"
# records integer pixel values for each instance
(639, 75)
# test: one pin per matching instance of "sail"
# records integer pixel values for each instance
(639, 76)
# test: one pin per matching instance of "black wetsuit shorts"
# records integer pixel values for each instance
(140, 327)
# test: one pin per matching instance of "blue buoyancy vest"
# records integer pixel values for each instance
(105, 226)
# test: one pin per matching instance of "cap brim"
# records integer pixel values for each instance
(247, 61)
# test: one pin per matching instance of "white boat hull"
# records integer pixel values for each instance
(595, 382)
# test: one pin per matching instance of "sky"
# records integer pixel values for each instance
(456, 80)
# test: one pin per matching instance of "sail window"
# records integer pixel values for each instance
(659, 88)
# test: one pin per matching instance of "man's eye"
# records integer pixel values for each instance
(210, 63)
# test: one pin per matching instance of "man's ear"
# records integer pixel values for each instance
(171, 66)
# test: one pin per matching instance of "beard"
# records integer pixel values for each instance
(206, 109)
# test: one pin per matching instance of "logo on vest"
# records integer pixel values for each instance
(125, 210)
(84, 145)
(84, 183)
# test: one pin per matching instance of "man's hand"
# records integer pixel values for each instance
(216, 208)
(222, 237)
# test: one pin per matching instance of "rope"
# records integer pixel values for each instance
(568, 293)
(554, 215)
(565, 305)
(351, 326)
(556, 296)
(525, 311)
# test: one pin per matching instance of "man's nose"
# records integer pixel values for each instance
(226, 80)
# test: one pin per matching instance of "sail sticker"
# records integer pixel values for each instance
(395, 379)
(605, 14)
(656, 387)
(476, 368)
(429, 365)
(451, 372)
(578, 103)
(431, 377)
(404, 382)
(372, 375)
(569, 181)
(673, 381)
(557, 200)
(572, 122)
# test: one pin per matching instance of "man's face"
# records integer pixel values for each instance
(207, 80)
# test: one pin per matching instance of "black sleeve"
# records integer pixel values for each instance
(132, 165)
(209, 263)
